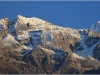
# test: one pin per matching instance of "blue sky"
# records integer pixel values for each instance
(74, 14)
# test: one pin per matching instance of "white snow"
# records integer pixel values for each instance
(48, 37)
(39, 27)
(25, 35)
(77, 56)
(35, 34)
(31, 47)
(9, 40)
(95, 27)
(26, 47)
(40, 24)
(81, 29)
(35, 40)
(49, 51)
(3, 22)
(33, 20)
(86, 51)
(98, 22)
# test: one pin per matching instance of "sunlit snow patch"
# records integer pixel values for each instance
(48, 38)
(9, 40)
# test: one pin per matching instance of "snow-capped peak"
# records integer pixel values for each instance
(31, 20)
(95, 27)
(4, 22)
(19, 17)
(98, 22)
(33, 31)
(22, 17)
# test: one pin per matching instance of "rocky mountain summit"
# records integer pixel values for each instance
(34, 46)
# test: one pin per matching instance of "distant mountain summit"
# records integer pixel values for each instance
(37, 46)
(95, 27)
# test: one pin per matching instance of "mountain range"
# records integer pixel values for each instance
(35, 46)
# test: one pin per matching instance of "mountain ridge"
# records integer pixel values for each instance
(39, 24)
(38, 43)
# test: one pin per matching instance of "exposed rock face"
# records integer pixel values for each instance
(96, 52)
(32, 46)
(4, 27)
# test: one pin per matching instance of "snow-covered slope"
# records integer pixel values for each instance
(9, 40)
(33, 31)
(29, 33)
(95, 27)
